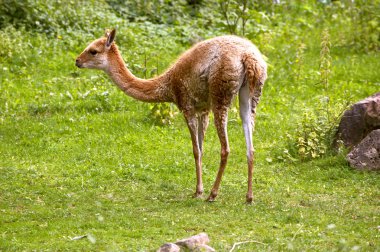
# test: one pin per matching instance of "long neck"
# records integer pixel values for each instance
(152, 90)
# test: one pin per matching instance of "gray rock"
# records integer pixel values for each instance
(357, 122)
(194, 241)
(203, 248)
(366, 155)
(169, 247)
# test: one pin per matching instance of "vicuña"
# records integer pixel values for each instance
(205, 78)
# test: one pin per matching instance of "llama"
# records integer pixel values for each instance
(205, 78)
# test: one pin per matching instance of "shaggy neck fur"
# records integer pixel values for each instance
(152, 90)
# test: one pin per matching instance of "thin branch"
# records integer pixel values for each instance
(243, 16)
(296, 233)
(244, 242)
(224, 5)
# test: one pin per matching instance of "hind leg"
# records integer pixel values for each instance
(248, 121)
(221, 116)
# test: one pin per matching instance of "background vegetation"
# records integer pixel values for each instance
(77, 157)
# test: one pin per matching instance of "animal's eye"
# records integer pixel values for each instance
(93, 52)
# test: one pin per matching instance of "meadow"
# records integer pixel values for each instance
(80, 158)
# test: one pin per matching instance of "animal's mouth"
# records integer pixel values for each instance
(78, 64)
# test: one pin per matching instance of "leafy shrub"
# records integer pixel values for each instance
(13, 49)
(52, 17)
(162, 113)
(315, 133)
(366, 23)
(159, 12)
(314, 136)
(357, 23)
(243, 17)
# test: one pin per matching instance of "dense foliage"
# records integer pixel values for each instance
(322, 56)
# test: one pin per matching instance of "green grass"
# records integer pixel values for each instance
(129, 185)
(78, 157)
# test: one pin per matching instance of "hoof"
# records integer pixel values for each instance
(212, 197)
(198, 195)
(249, 199)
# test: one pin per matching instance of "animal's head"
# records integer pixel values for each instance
(97, 54)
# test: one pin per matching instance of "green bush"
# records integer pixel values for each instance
(13, 49)
(53, 17)
(357, 23)
(159, 12)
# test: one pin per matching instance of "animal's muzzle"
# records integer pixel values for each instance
(78, 64)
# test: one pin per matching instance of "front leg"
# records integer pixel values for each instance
(203, 121)
(192, 123)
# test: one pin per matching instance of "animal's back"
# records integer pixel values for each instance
(212, 71)
(220, 49)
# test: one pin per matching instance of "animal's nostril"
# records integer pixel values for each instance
(77, 63)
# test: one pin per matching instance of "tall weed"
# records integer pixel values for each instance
(13, 49)
(315, 132)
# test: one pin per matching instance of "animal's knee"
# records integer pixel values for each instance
(196, 152)
(224, 153)
(250, 154)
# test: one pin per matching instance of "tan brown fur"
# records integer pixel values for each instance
(204, 78)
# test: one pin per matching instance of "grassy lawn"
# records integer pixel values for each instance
(129, 184)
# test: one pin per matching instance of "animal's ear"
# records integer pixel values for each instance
(110, 38)
(107, 33)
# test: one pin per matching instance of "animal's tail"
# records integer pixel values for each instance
(255, 73)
